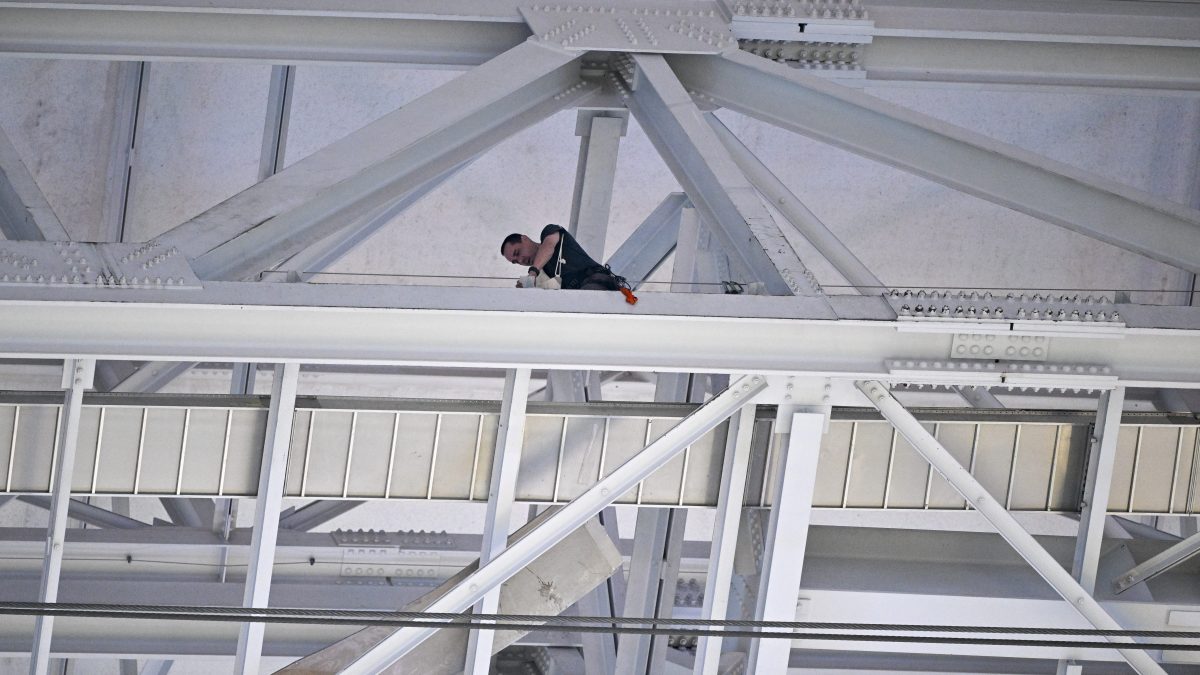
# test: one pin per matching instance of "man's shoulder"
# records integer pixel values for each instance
(551, 229)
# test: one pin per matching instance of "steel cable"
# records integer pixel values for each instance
(599, 624)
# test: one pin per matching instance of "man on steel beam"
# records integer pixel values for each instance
(558, 261)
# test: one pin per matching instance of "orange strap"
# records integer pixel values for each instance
(629, 296)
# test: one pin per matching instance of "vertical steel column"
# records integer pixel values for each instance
(600, 139)
(77, 376)
(129, 80)
(1102, 453)
(275, 128)
(725, 534)
(683, 270)
(510, 438)
(566, 520)
(266, 513)
(787, 535)
(966, 485)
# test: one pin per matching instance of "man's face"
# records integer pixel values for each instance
(521, 253)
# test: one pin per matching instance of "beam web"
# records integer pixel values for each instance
(567, 519)
(266, 513)
(966, 485)
(501, 493)
(77, 376)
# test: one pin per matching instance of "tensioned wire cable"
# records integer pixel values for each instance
(600, 624)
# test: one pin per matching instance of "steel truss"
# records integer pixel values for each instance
(810, 349)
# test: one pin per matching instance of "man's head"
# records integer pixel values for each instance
(518, 249)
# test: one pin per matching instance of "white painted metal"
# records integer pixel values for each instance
(797, 214)
(964, 160)
(651, 532)
(311, 515)
(650, 243)
(1178, 553)
(129, 81)
(378, 163)
(497, 522)
(786, 539)
(568, 518)
(77, 376)
(86, 513)
(725, 535)
(152, 376)
(594, 178)
(255, 33)
(266, 513)
(24, 211)
(1096, 488)
(275, 128)
(1045, 565)
(717, 188)
(684, 268)
(243, 322)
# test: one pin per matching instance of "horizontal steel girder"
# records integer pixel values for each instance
(964, 160)
(325, 323)
(1077, 43)
(169, 34)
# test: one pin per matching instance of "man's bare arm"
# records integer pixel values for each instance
(545, 250)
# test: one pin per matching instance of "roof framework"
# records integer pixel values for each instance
(233, 280)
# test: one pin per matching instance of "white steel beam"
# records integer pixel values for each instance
(650, 243)
(275, 127)
(1102, 455)
(961, 159)
(713, 182)
(680, 332)
(266, 513)
(256, 33)
(1178, 553)
(966, 485)
(188, 512)
(787, 535)
(988, 59)
(379, 163)
(732, 494)
(797, 214)
(24, 212)
(128, 80)
(600, 140)
(77, 376)
(497, 521)
(311, 515)
(567, 519)
(86, 513)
